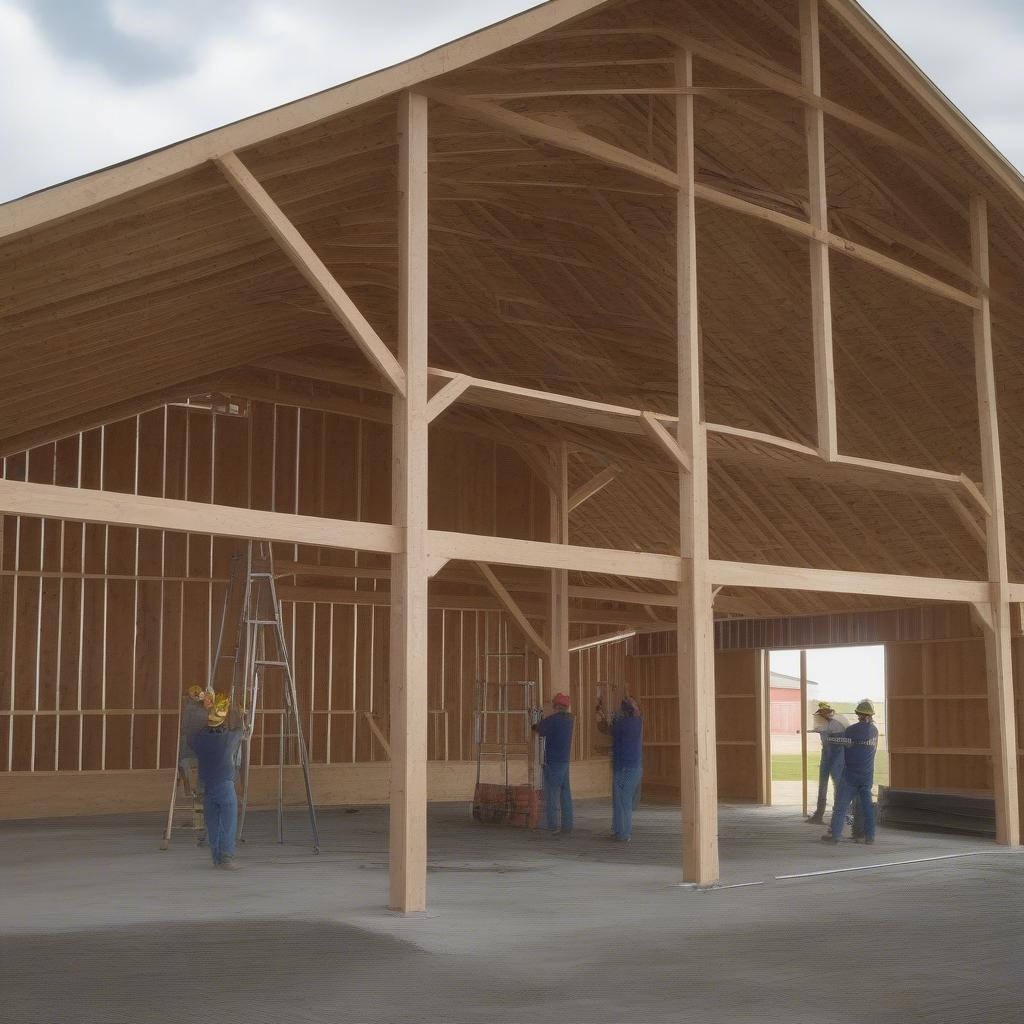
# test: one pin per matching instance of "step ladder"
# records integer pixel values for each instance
(252, 607)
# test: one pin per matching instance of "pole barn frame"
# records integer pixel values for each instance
(454, 90)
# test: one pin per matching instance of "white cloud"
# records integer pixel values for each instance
(74, 113)
(71, 116)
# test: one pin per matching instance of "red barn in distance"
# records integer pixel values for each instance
(785, 702)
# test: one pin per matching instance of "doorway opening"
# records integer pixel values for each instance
(843, 676)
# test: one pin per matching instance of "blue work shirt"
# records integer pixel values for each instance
(627, 741)
(861, 742)
(215, 752)
(557, 732)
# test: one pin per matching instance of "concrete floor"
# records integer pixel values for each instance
(96, 926)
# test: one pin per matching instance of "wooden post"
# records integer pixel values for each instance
(558, 662)
(821, 285)
(697, 754)
(764, 729)
(998, 654)
(803, 728)
(407, 858)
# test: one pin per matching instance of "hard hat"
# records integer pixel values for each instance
(560, 700)
(823, 705)
(219, 711)
(865, 707)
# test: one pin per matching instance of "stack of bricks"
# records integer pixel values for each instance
(495, 804)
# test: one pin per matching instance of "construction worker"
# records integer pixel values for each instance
(215, 747)
(828, 723)
(627, 731)
(860, 742)
(557, 729)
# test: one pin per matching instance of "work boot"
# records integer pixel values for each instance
(817, 818)
(829, 838)
(228, 864)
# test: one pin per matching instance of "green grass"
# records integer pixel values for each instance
(786, 767)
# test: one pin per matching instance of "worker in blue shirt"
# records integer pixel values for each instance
(557, 732)
(215, 747)
(860, 741)
(627, 732)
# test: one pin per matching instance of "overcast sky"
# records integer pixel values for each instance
(87, 83)
(842, 673)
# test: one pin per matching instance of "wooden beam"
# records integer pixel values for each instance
(558, 616)
(603, 640)
(569, 139)
(492, 394)
(532, 609)
(970, 524)
(840, 581)
(509, 604)
(624, 596)
(769, 439)
(998, 649)
(764, 729)
(91, 506)
(435, 565)
(535, 554)
(666, 441)
(407, 849)
(821, 288)
(594, 485)
(448, 394)
(376, 730)
(695, 617)
(803, 730)
(312, 268)
(837, 242)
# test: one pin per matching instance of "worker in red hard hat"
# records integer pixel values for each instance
(557, 729)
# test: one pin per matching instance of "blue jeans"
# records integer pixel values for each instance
(220, 805)
(831, 767)
(557, 792)
(625, 784)
(850, 790)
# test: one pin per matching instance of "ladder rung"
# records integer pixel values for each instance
(262, 622)
(262, 575)
(279, 664)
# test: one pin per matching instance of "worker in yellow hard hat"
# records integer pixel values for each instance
(860, 742)
(215, 747)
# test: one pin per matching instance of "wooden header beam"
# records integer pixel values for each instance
(90, 506)
(839, 581)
